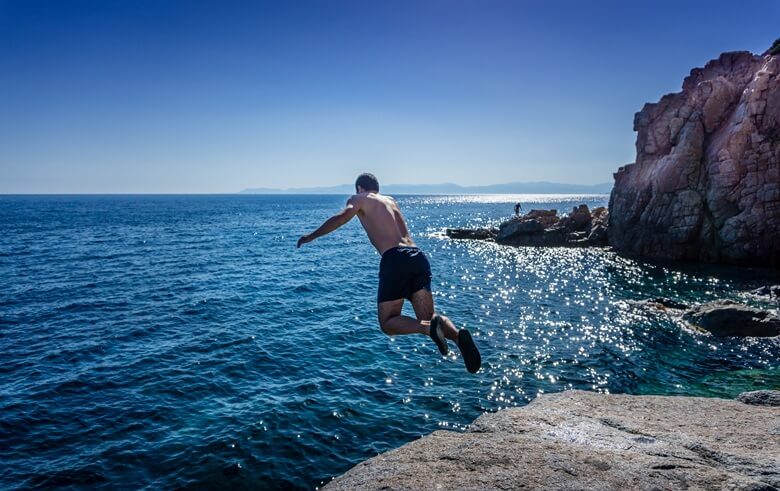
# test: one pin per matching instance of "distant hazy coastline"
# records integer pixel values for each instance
(450, 188)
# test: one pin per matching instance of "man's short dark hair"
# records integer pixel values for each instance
(368, 182)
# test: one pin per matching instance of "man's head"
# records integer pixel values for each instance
(366, 183)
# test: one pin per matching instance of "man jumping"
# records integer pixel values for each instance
(404, 271)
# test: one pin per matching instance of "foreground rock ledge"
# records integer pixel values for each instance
(585, 440)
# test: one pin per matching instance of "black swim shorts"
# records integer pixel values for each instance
(403, 271)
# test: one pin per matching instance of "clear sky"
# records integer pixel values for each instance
(156, 96)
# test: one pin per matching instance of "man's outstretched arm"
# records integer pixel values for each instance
(331, 223)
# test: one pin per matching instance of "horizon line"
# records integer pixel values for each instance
(240, 193)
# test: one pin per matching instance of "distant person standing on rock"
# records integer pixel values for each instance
(518, 208)
(404, 271)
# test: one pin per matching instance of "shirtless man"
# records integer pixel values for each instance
(404, 271)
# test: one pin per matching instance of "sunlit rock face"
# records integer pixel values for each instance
(706, 181)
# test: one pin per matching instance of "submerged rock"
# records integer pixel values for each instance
(472, 233)
(585, 440)
(773, 292)
(706, 181)
(727, 318)
(670, 303)
(662, 303)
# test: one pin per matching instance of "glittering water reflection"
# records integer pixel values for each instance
(184, 342)
(559, 318)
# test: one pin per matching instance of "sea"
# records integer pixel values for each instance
(183, 342)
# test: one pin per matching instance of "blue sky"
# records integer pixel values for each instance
(156, 96)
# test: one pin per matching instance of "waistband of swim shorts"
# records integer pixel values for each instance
(396, 248)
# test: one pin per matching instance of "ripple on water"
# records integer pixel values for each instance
(174, 342)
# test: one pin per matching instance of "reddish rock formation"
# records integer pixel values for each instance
(706, 181)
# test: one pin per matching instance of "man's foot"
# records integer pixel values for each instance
(437, 334)
(469, 350)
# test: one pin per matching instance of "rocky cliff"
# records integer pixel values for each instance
(706, 181)
(584, 440)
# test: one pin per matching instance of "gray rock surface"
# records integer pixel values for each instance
(584, 440)
(761, 398)
(706, 181)
(544, 228)
(727, 318)
(771, 292)
(511, 228)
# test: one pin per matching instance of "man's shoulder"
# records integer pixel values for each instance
(370, 196)
(356, 199)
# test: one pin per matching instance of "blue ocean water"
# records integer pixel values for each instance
(168, 342)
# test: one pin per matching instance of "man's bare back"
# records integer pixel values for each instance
(382, 221)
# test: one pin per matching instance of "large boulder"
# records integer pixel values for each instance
(515, 227)
(548, 218)
(727, 318)
(578, 220)
(584, 440)
(706, 181)
(761, 398)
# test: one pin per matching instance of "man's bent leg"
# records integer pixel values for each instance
(393, 323)
(422, 301)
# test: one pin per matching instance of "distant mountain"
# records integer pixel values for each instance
(450, 188)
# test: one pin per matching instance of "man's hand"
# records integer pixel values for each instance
(332, 223)
(303, 240)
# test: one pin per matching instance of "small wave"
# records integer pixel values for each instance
(86, 306)
(83, 476)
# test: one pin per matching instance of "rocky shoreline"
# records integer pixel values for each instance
(586, 440)
(544, 228)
